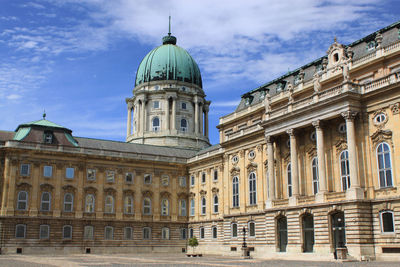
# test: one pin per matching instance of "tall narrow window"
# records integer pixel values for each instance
(156, 124)
(252, 229)
(214, 232)
(44, 231)
(146, 206)
(184, 125)
(88, 232)
(69, 173)
(183, 233)
(202, 232)
(20, 230)
(345, 170)
(203, 178)
(192, 180)
(315, 175)
(25, 168)
(109, 233)
(253, 188)
(164, 207)
(384, 165)
(215, 204)
(234, 229)
(146, 232)
(128, 205)
(89, 203)
(45, 201)
(203, 206)
(165, 233)
(182, 207)
(191, 233)
(215, 178)
(128, 233)
(22, 200)
(192, 207)
(235, 191)
(67, 232)
(109, 204)
(289, 180)
(387, 222)
(68, 202)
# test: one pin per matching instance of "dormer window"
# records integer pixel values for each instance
(280, 86)
(336, 57)
(370, 46)
(248, 100)
(48, 137)
(297, 80)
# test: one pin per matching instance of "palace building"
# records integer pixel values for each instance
(307, 164)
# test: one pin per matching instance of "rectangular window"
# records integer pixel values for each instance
(191, 233)
(387, 222)
(44, 231)
(183, 233)
(128, 233)
(183, 105)
(110, 176)
(88, 232)
(146, 233)
(129, 178)
(214, 232)
(203, 178)
(165, 180)
(252, 229)
(91, 174)
(69, 173)
(156, 104)
(215, 178)
(165, 233)
(234, 229)
(67, 232)
(202, 232)
(192, 180)
(20, 230)
(147, 179)
(47, 171)
(25, 168)
(108, 233)
(192, 207)
(182, 181)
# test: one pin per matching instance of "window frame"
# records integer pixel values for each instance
(184, 128)
(215, 204)
(182, 181)
(214, 231)
(44, 226)
(203, 205)
(109, 205)
(382, 222)
(147, 177)
(128, 206)
(252, 188)
(67, 176)
(183, 233)
(144, 234)
(88, 234)
(234, 232)
(191, 232)
(203, 178)
(202, 232)
(315, 175)
(182, 207)
(156, 104)
(110, 176)
(129, 174)
(130, 236)
(215, 176)
(91, 174)
(24, 230)
(165, 233)
(47, 171)
(384, 169)
(22, 201)
(344, 170)
(63, 232)
(92, 204)
(69, 202)
(235, 192)
(146, 206)
(43, 202)
(289, 180)
(192, 207)
(155, 128)
(28, 169)
(254, 228)
(108, 230)
(165, 207)
(192, 180)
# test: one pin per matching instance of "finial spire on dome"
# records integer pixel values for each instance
(169, 39)
(169, 26)
(44, 114)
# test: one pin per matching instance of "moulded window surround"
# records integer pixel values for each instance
(234, 229)
(156, 104)
(235, 159)
(202, 232)
(88, 232)
(214, 232)
(156, 124)
(25, 169)
(252, 154)
(313, 137)
(203, 206)
(146, 206)
(48, 137)
(183, 106)
(315, 175)
(20, 231)
(289, 180)
(182, 181)
(91, 174)
(45, 201)
(192, 207)
(109, 233)
(342, 128)
(22, 200)
(387, 221)
(67, 232)
(384, 165)
(164, 207)
(47, 171)
(44, 231)
(191, 233)
(109, 204)
(252, 188)
(146, 233)
(203, 178)
(69, 173)
(110, 176)
(235, 192)
(128, 205)
(128, 233)
(165, 233)
(215, 204)
(183, 232)
(370, 46)
(129, 178)
(184, 125)
(165, 180)
(68, 202)
(252, 229)
(345, 170)
(89, 203)
(147, 179)
(380, 118)
(182, 207)
(215, 178)
(192, 180)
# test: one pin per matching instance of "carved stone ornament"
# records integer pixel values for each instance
(46, 187)
(349, 53)
(382, 136)
(280, 213)
(290, 97)
(345, 69)
(259, 148)
(147, 193)
(290, 132)
(395, 108)
(286, 157)
(241, 153)
(182, 195)
(24, 186)
(235, 170)
(89, 189)
(380, 118)
(110, 190)
(203, 192)
(317, 83)
(215, 190)
(385, 206)
(128, 192)
(165, 194)
(311, 151)
(305, 211)
(251, 166)
(192, 194)
(340, 145)
(334, 208)
(349, 115)
(69, 188)
(378, 40)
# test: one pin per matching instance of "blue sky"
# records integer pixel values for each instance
(78, 58)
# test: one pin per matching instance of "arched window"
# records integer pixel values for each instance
(234, 229)
(214, 232)
(384, 165)
(182, 207)
(252, 229)
(89, 203)
(235, 191)
(88, 232)
(156, 124)
(315, 174)
(45, 201)
(109, 204)
(109, 233)
(215, 204)
(192, 207)
(202, 232)
(128, 205)
(22, 200)
(164, 207)
(252, 189)
(184, 125)
(203, 206)
(20, 230)
(387, 221)
(146, 206)
(191, 233)
(146, 233)
(68, 202)
(67, 232)
(289, 180)
(345, 170)
(165, 233)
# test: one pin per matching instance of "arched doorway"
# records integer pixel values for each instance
(308, 233)
(338, 230)
(282, 233)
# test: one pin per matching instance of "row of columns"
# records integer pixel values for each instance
(200, 112)
(349, 116)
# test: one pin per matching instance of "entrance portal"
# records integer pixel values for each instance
(338, 230)
(308, 233)
(282, 234)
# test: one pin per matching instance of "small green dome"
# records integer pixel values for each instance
(168, 62)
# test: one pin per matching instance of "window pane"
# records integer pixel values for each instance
(387, 218)
(69, 173)
(88, 232)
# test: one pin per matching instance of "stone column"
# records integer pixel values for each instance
(294, 167)
(206, 109)
(271, 172)
(167, 115)
(129, 122)
(79, 198)
(57, 191)
(173, 123)
(355, 192)
(144, 116)
(201, 120)
(33, 204)
(321, 161)
(196, 116)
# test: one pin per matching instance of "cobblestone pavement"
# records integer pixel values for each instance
(164, 260)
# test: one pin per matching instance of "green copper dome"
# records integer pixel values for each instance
(168, 62)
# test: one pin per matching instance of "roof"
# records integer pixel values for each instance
(43, 123)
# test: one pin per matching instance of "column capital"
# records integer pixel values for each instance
(317, 124)
(349, 115)
(269, 138)
(291, 132)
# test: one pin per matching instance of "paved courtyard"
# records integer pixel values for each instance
(162, 260)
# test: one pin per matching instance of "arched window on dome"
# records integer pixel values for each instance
(156, 124)
(184, 125)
